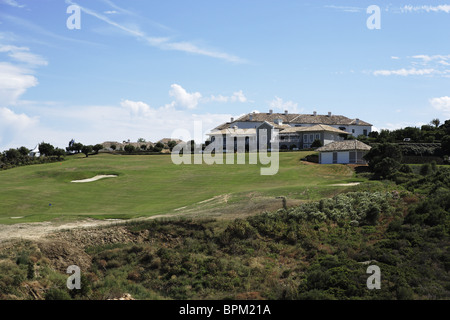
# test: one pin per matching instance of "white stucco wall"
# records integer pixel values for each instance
(359, 130)
(342, 157)
(326, 157)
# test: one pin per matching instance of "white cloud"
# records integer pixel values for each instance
(137, 108)
(280, 104)
(14, 81)
(90, 124)
(183, 98)
(13, 126)
(441, 104)
(406, 72)
(237, 96)
(17, 77)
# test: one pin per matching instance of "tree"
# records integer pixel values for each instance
(143, 147)
(24, 151)
(435, 122)
(77, 147)
(97, 148)
(386, 167)
(445, 145)
(129, 148)
(46, 149)
(59, 153)
(86, 150)
(12, 155)
(171, 144)
(113, 147)
(384, 159)
(316, 144)
(141, 140)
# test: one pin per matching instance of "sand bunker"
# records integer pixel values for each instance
(95, 178)
(345, 184)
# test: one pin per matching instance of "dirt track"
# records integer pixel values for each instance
(39, 230)
(216, 207)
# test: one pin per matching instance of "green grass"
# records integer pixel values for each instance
(149, 185)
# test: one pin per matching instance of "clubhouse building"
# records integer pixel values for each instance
(295, 131)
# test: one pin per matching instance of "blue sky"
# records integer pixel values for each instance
(142, 69)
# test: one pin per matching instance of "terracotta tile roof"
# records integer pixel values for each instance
(344, 146)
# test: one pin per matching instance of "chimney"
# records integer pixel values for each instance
(250, 117)
(329, 114)
(270, 111)
(232, 119)
(285, 112)
(357, 121)
(315, 113)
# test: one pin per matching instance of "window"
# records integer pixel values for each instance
(353, 130)
(335, 157)
(311, 138)
(317, 136)
(352, 157)
(365, 132)
(305, 138)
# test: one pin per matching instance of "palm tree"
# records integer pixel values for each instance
(436, 122)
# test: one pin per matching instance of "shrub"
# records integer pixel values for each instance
(57, 294)
(129, 148)
(316, 144)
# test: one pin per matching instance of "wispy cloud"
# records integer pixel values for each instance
(23, 54)
(121, 10)
(405, 72)
(419, 65)
(426, 8)
(345, 8)
(35, 28)
(163, 43)
(12, 3)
